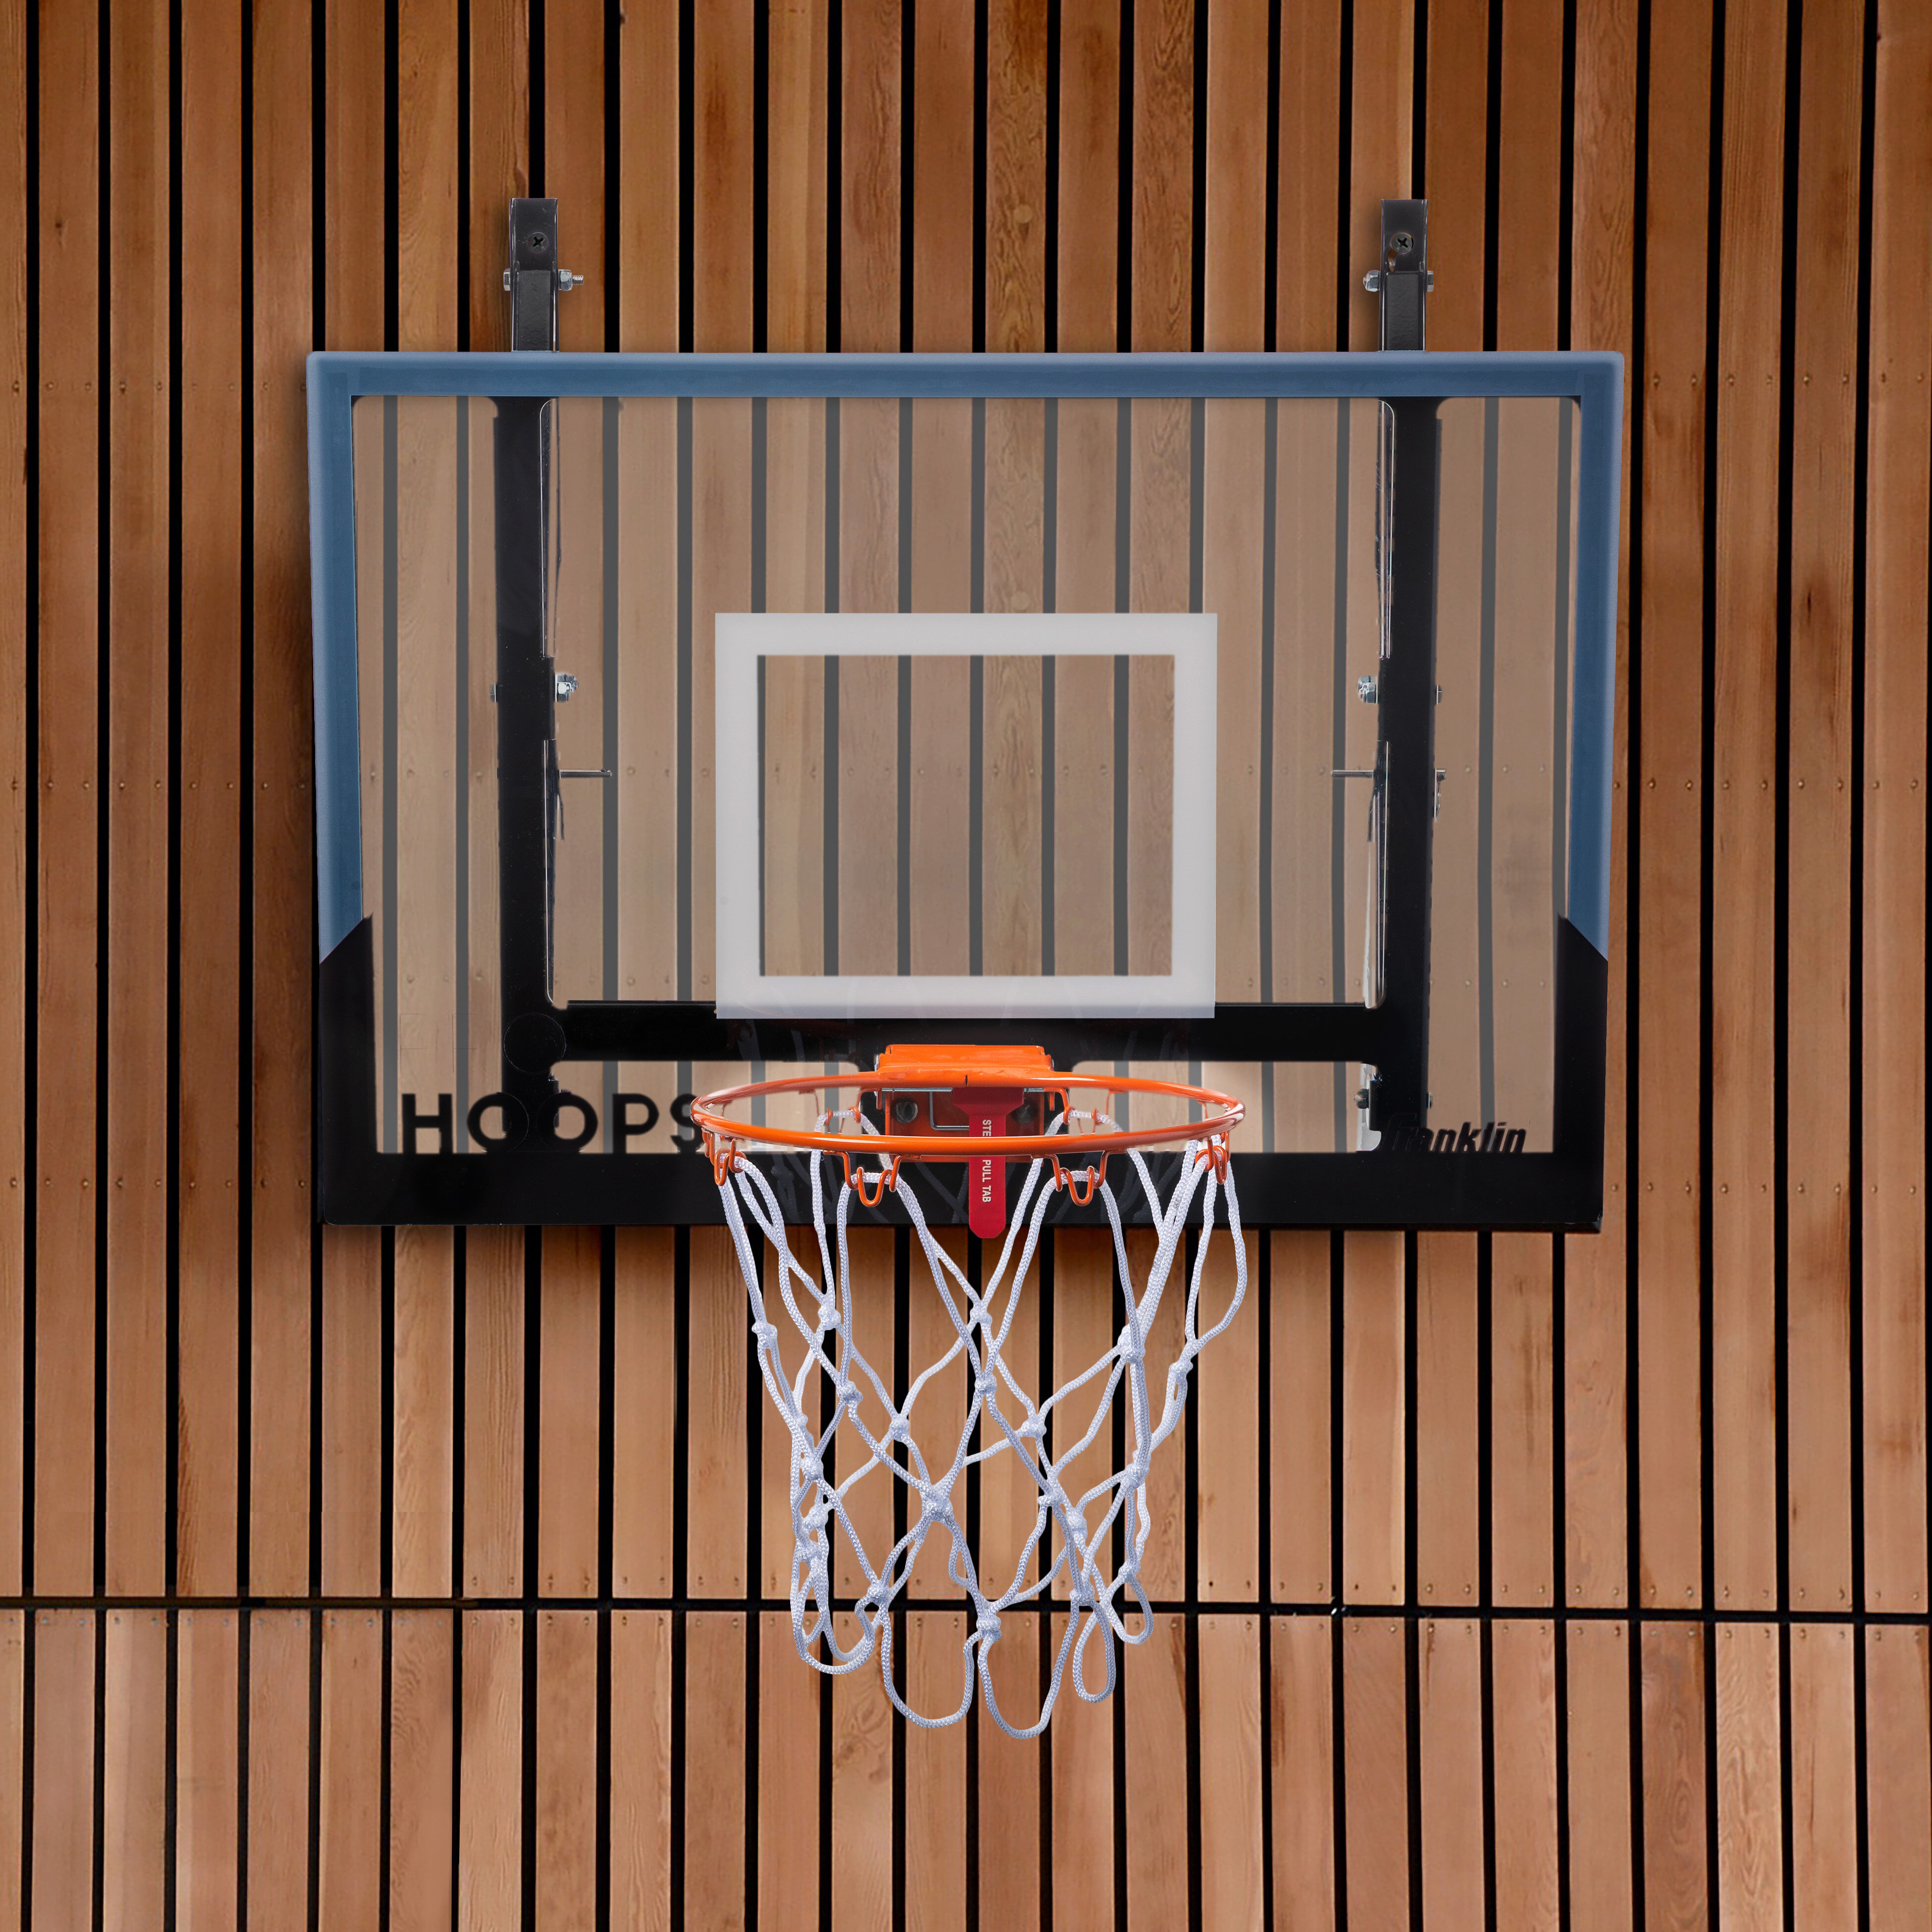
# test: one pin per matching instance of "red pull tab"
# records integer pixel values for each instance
(986, 1109)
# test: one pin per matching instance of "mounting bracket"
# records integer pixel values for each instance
(1403, 280)
(533, 281)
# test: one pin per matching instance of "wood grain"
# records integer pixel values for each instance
(67, 561)
(1676, 1884)
(1454, 1827)
(15, 544)
(1898, 1767)
(1892, 997)
(1820, 777)
(207, 1181)
(1299, 1478)
(489, 1825)
(283, 1744)
(565, 1820)
(1160, 1693)
(1302, 1744)
(1892, 1140)
(1598, 1742)
(1233, 1892)
(134, 1768)
(1751, 1883)
(1375, 1771)
(349, 1819)
(1523, 1693)
(63, 1769)
(569, 1422)
(1595, 1368)
(207, 1770)
(1668, 951)
(422, 1764)
(640, 1769)
(282, 881)
(1821, 1724)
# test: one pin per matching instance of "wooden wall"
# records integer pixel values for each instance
(355, 1579)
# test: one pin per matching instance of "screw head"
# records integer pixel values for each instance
(539, 241)
(905, 1111)
(1402, 242)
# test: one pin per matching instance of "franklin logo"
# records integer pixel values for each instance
(1493, 1137)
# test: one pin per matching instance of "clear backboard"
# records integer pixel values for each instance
(683, 721)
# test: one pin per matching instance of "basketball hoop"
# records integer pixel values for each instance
(953, 1104)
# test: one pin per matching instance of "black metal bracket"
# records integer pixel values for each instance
(533, 281)
(1402, 278)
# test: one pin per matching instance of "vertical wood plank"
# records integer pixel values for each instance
(1009, 1848)
(1892, 1142)
(1299, 1478)
(209, 800)
(1521, 1389)
(1082, 1798)
(1898, 1773)
(565, 1821)
(1675, 1885)
(63, 1769)
(13, 1763)
(796, 110)
(1227, 1506)
(349, 1823)
(134, 1768)
(718, 1393)
(1523, 1702)
(645, 1422)
(490, 1828)
(1373, 1427)
(715, 1721)
(1448, 1377)
(16, 702)
(352, 1419)
(1375, 1771)
(494, 1327)
(568, 1413)
(280, 1744)
(1595, 1367)
(572, 161)
(422, 1769)
(1751, 1879)
(1156, 1684)
(1669, 953)
(1745, 696)
(865, 1820)
(1454, 1827)
(1232, 1890)
(138, 806)
(1302, 1747)
(68, 741)
(1821, 1727)
(640, 1769)
(207, 1770)
(1597, 1745)
(282, 883)
(1819, 778)
(422, 1475)
(790, 1692)
(1383, 69)
(933, 1805)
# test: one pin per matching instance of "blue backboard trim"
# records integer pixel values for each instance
(336, 377)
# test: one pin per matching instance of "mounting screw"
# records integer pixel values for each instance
(1401, 242)
(1365, 689)
(1372, 281)
(905, 1111)
(566, 281)
(566, 685)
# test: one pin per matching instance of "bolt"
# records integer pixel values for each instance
(1365, 689)
(905, 1111)
(566, 685)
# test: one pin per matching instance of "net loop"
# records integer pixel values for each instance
(1090, 1533)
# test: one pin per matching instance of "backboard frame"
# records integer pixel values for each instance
(543, 1181)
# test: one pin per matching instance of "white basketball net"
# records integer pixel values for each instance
(1006, 1419)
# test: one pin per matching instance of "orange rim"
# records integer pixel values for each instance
(952, 1068)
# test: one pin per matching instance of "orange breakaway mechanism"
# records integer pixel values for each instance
(984, 1105)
